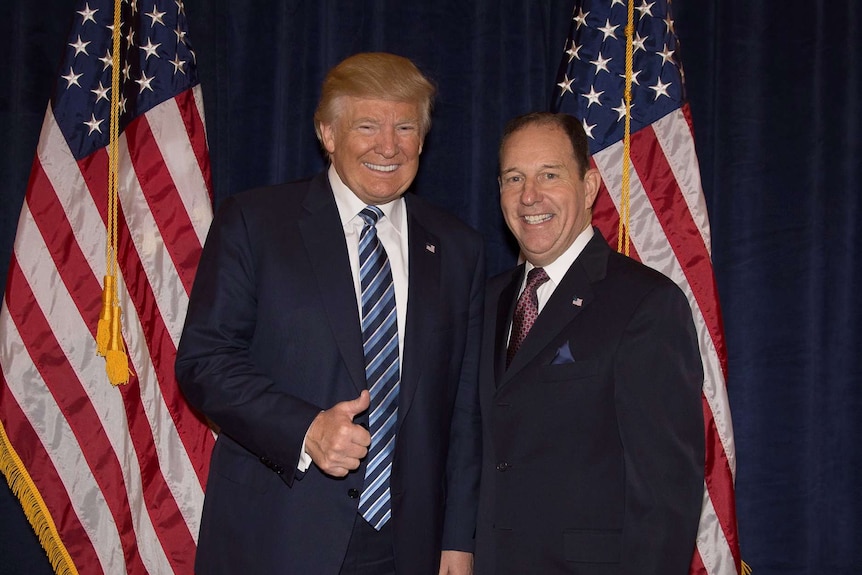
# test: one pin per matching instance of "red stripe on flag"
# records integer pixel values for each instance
(44, 474)
(697, 567)
(168, 522)
(94, 169)
(85, 290)
(686, 241)
(59, 238)
(719, 483)
(196, 439)
(131, 516)
(164, 202)
(72, 400)
(197, 135)
(607, 218)
(679, 227)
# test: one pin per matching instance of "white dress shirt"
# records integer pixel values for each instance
(557, 269)
(392, 233)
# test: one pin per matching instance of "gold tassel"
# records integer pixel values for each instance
(116, 360)
(103, 332)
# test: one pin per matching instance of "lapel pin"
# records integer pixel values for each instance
(431, 248)
(578, 302)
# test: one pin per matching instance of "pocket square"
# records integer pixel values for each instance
(563, 355)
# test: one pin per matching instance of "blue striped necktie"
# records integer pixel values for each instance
(382, 371)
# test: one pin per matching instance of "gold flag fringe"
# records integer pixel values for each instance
(34, 507)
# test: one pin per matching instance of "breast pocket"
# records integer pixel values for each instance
(575, 370)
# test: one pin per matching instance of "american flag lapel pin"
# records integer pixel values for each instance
(431, 247)
(577, 302)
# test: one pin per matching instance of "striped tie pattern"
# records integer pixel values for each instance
(382, 371)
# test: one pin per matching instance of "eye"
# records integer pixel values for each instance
(512, 179)
(407, 129)
(550, 176)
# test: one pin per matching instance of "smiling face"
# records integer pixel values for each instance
(545, 201)
(374, 146)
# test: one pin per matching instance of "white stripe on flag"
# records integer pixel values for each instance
(674, 135)
(62, 171)
(171, 297)
(173, 141)
(652, 246)
(57, 439)
(711, 543)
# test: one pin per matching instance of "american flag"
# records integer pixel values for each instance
(669, 229)
(111, 478)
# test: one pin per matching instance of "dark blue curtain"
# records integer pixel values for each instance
(773, 89)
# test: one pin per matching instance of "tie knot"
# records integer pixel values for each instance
(371, 215)
(535, 278)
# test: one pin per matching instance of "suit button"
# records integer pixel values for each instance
(503, 466)
(353, 493)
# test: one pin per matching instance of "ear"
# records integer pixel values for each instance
(592, 182)
(327, 136)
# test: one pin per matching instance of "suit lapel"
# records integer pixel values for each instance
(323, 235)
(423, 295)
(570, 298)
(505, 311)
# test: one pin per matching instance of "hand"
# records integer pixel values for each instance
(334, 442)
(456, 563)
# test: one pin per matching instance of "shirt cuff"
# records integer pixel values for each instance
(304, 459)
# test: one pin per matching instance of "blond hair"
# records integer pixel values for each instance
(379, 76)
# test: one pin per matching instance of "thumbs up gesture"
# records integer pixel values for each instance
(334, 442)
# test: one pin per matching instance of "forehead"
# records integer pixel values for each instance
(536, 145)
(355, 108)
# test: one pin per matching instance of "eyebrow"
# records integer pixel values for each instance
(543, 167)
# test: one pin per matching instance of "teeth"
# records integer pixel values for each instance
(538, 219)
(379, 168)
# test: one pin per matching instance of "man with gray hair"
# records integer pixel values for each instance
(590, 384)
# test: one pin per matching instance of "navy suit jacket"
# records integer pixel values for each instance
(593, 437)
(273, 337)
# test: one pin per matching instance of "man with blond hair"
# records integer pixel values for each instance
(332, 336)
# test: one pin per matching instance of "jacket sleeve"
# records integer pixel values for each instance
(214, 365)
(465, 442)
(658, 377)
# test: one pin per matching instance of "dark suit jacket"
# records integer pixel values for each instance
(593, 438)
(273, 337)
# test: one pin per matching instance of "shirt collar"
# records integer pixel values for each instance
(349, 205)
(558, 268)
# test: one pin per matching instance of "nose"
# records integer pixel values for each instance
(531, 193)
(387, 142)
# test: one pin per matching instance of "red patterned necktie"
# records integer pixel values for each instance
(526, 311)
